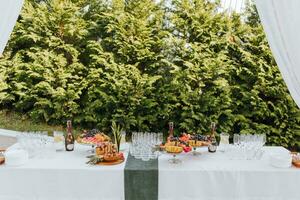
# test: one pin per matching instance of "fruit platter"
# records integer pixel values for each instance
(92, 137)
(106, 154)
(175, 146)
(195, 141)
(184, 143)
(296, 159)
(2, 159)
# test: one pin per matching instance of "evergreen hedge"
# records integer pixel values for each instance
(145, 63)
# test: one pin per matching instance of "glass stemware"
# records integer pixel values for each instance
(174, 159)
(143, 145)
(37, 144)
(247, 146)
(59, 140)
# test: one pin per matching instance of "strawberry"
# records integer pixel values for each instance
(121, 155)
(187, 149)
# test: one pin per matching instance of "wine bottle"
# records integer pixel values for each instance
(69, 140)
(212, 147)
(171, 129)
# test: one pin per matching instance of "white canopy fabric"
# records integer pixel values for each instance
(9, 12)
(281, 22)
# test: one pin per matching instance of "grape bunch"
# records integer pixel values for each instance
(90, 133)
(174, 139)
(200, 137)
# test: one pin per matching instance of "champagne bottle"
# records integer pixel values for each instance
(69, 140)
(212, 147)
(171, 129)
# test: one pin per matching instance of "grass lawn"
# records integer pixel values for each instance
(14, 121)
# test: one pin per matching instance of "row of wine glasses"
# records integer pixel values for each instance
(143, 145)
(247, 146)
(37, 144)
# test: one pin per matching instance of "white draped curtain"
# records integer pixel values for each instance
(281, 22)
(9, 12)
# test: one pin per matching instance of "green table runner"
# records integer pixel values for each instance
(141, 179)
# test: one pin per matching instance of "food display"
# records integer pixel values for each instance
(296, 159)
(106, 154)
(93, 137)
(2, 159)
(195, 143)
(197, 140)
(174, 149)
(184, 143)
(174, 145)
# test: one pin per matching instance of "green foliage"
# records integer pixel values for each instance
(142, 64)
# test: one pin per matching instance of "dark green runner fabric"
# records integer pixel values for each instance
(141, 179)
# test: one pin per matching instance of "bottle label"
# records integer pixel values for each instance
(212, 148)
(70, 146)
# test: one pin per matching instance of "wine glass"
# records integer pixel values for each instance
(59, 140)
(236, 139)
(174, 159)
(194, 145)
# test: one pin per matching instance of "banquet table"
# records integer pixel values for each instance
(216, 177)
(62, 176)
(65, 176)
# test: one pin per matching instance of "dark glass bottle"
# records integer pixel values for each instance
(212, 147)
(69, 139)
(171, 129)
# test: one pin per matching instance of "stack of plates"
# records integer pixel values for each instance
(281, 160)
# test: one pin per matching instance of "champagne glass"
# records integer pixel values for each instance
(236, 139)
(174, 159)
(59, 140)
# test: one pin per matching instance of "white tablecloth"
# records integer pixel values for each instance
(63, 176)
(216, 177)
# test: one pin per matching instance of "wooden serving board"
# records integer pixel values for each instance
(2, 160)
(296, 163)
(111, 163)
